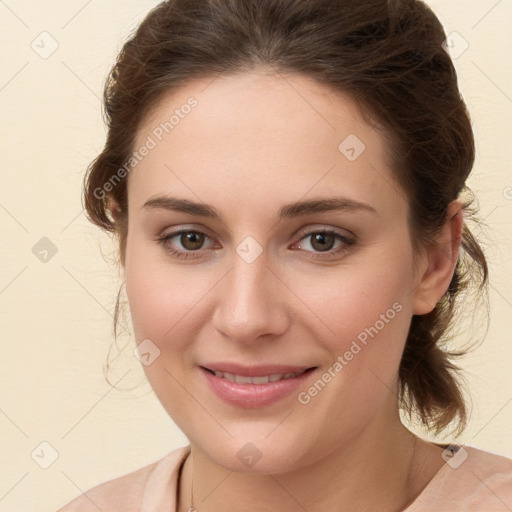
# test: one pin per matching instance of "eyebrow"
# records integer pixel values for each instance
(287, 211)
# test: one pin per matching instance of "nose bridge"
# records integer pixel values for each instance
(248, 305)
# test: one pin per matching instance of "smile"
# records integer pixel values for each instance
(264, 379)
(251, 391)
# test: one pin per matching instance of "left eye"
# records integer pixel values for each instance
(321, 241)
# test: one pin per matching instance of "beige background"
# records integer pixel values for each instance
(56, 316)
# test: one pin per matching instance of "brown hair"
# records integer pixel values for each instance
(389, 56)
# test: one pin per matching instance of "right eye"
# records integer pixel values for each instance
(190, 240)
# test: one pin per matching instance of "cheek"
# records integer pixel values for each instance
(352, 299)
(162, 310)
(166, 300)
(158, 299)
(365, 315)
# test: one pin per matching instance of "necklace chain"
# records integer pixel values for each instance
(191, 508)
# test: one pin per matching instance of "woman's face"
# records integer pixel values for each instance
(261, 283)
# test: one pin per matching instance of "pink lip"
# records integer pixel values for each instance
(254, 395)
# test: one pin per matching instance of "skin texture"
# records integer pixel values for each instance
(254, 142)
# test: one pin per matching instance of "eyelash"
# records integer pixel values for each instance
(163, 241)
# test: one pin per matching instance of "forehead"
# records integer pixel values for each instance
(263, 97)
(260, 134)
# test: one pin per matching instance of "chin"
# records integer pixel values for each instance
(257, 452)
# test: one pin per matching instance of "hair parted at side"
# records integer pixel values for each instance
(388, 55)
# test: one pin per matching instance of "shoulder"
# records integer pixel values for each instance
(125, 493)
(472, 479)
(121, 493)
(492, 471)
(488, 459)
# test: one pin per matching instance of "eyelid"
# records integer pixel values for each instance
(323, 228)
(178, 230)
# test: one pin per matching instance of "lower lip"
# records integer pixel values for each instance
(253, 395)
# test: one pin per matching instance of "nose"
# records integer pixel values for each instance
(252, 302)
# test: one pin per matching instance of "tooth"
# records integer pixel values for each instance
(261, 380)
(264, 379)
(242, 379)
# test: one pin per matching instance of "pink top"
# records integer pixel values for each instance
(473, 480)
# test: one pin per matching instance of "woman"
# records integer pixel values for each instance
(285, 178)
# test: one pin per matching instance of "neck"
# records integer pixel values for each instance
(384, 467)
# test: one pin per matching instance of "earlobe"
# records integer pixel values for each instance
(116, 213)
(114, 209)
(441, 262)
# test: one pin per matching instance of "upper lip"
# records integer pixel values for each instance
(254, 370)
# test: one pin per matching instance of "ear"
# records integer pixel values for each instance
(114, 209)
(441, 260)
(114, 212)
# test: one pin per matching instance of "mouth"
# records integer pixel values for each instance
(258, 379)
(252, 387)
